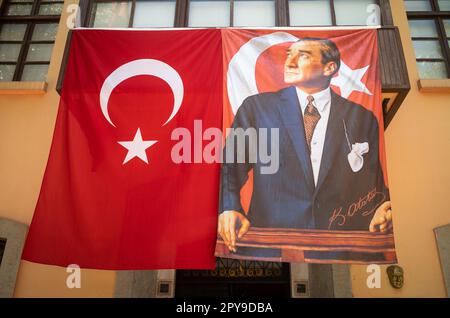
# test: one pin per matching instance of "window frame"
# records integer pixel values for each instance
(437, 16)
(31, 21)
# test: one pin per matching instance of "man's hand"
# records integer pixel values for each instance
(229, 221)
(382, 219)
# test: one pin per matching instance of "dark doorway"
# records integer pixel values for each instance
(235, 278)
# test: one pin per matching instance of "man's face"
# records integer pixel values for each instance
(304, 66)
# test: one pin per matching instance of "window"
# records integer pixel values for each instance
(310, 12)
(230, 13)
(238, 13)
(125, 14)
(332, 12)
(429, 22)
(154, 14)
(350, 12)
(27, 34)
(207, 13)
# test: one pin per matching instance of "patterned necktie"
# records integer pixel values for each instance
(310, 119)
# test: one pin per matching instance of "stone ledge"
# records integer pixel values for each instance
(14, 233)
(443, 242)
(434, 85)
(25, 88)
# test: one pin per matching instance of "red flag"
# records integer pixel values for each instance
(112, 196)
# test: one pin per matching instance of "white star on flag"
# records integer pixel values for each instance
(349, 80)
(137, 147)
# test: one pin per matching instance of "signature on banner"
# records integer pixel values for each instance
(341, 216)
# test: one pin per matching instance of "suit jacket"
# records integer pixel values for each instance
(342, 199)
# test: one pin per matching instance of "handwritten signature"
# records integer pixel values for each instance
(341, 217)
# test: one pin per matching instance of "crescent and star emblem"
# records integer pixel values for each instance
(137, 147)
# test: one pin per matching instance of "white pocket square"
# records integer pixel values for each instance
(355, 158)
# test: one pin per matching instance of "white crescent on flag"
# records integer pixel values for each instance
(142, 67)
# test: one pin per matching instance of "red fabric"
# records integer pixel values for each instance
(97, 212)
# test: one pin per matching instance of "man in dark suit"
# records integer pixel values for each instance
(329, 174)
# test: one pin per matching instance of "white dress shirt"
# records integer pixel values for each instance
(322, 101)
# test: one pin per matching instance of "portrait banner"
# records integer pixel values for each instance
(303, 177)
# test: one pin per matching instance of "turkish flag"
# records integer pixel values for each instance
(112, 195)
